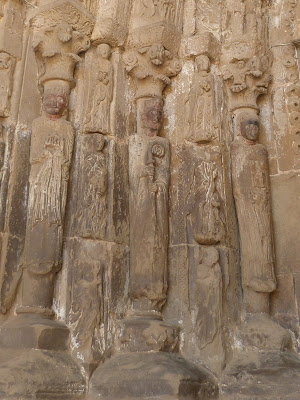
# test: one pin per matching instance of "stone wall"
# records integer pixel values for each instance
(149, 199)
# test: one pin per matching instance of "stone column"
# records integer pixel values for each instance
(149, 159)
(59, 34)
(94, 280)
(144, 366)
(12, 16)
(246, 74)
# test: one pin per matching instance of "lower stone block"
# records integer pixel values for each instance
(39, 374)
(35, 363)
(29, 331)
(145, 376)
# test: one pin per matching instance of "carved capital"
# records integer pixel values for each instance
(112, 22)
(57, 50)
(246, 80)
(63, 11)
(151, 67)
(156, 21)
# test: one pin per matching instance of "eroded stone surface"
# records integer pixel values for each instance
(149, 199)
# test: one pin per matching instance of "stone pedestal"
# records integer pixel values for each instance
(35, 363)
(151, 375)
(267, 375)
(263, 362)
(147, 368)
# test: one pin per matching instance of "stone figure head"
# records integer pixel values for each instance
(152, 115)
(104, 51)
(5, 60)
(208, 256)
(99, 142)
(55, 97)
(247, 125)
(157, 54)
(202, 63)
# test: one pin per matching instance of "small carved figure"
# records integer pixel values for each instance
(251, 188)
(7, 66)
(201, 111)
(94, 181)
(87, 311)
(207, 301)
(101, 93)
(50, 158)
(204, 205)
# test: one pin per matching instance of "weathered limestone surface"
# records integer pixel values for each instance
(149, 199)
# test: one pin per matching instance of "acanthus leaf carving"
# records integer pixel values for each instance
(57, 52)
(155, 66)
(63, 11)
(246, 79)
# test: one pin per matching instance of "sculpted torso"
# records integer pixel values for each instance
(251, 187)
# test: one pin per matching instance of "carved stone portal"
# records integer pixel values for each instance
(149, 199)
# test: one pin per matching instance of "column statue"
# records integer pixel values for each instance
(50, 158)
(149, 178)
(251, 188)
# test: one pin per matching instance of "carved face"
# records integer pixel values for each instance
(157, 54)
(4, 61)
(55, 104)
(99, 142)
(202, 63)
(104, 51)
(152, 115)
(250, 129)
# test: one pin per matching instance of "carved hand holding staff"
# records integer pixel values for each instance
(149, 158)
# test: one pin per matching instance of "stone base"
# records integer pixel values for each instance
(147, 334)
(152, 375)
(28, 331)
(34, 362)
(39, 374)
(263, 364)
(260, 332)
(267, 375)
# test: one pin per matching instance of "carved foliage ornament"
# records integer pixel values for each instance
(169, 11)
(62, 11)
(57, 51)
(154, 63)
(247, 80)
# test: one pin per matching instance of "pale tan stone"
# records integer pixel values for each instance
(142, 219)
